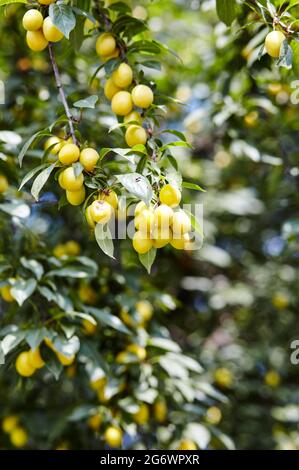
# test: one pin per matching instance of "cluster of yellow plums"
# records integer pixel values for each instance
(157, 227)
(18, 435)
(69, 153)
(40, 30)
(28, 362)
(122, 100)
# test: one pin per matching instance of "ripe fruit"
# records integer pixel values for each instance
(251, 119)
(55, 143)
(137, 350)
(95, 421)
(65, 360)
(142, 96)
(180, 242)
(123, 76)
(89, 328)
(145, 310)
(46, 2)
(19, 437)
(122, 103)
(5, 292)
(111, 56)
(141, 243)
(75, 198)
(141, 417)
(280, 301)
(110, 89)
(186, 444)
(272, 379)
(89, 218)
(87, 294)
(59, 250)
(170, 195)
(98, 383)
(105, 44)
(163, 216)
(223, 377)
(181, 223)
(113, 436)
(135, 135)
(89, 158)
(160, 411)
(134, 116)
(72, 248)
(161, 237)
(3, 184)
(214, 415)
(35, 359)
(36, 41)
(71, 181)
(69, 153)
(141, 206)
(50, 31)
(101, 212)
(144, 221)
(110, 197)
(9, 423)
(23, 365)
(32, 20)
(273, 43)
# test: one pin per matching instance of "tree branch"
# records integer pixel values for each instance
(62, 94)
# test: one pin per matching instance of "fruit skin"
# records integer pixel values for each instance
(95, 421)
(272, 379)
(36, 41)
(181, 223)
(87, 294)
(134, 116)
(89, 328)
(89, 158)
(145, 310)
(251, 119)
(75, 198)
(70, 181)
(114, 54)
(105, 44)
(213, 415)
(72, 248)
(223, 377)
(180, 242)
(123, 76)
(141, 206)
(101, 212)
(160, 411)
(23, 365)
(69, 153)
(3, 184)
(142, 96)
(89, 218)
(163, 216)
(273, 43)
(35, 359)
(65, 360)
(135, 135)
(144, 221)
(141, 417)
(50, 31)
(186, 444)
(32, 20)
(6, 295)
(113, 436)
(141, 243)
(46, 2)
(280, 301)
(19, 437)
(139, 351)
(122, 103)
(111, 198)
(59, 250)
(170, 195)
(9, 423)
(50, 142)
(161, 237)
(110, 89)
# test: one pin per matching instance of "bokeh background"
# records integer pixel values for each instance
(232, 306)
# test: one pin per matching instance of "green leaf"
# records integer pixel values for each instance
(105, 317)
(226, 10)
(286, 56)
(62, 17)
(137, 185)
(195, 224)
(104, 239)
(8, 2)
(179, 134)
(33, 266)
(22, 289)
(41, 180)
(31, 173)
(148, 259)
(187, 185)
(81, 412)
(164, 343)
(16, 209)
(35, 137)
(89, 102)
(34, 337)
(11, 340)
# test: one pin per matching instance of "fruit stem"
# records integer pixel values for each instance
(62, 93)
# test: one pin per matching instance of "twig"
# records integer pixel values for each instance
(62, 94)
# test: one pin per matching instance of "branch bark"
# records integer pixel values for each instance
(62, 94)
